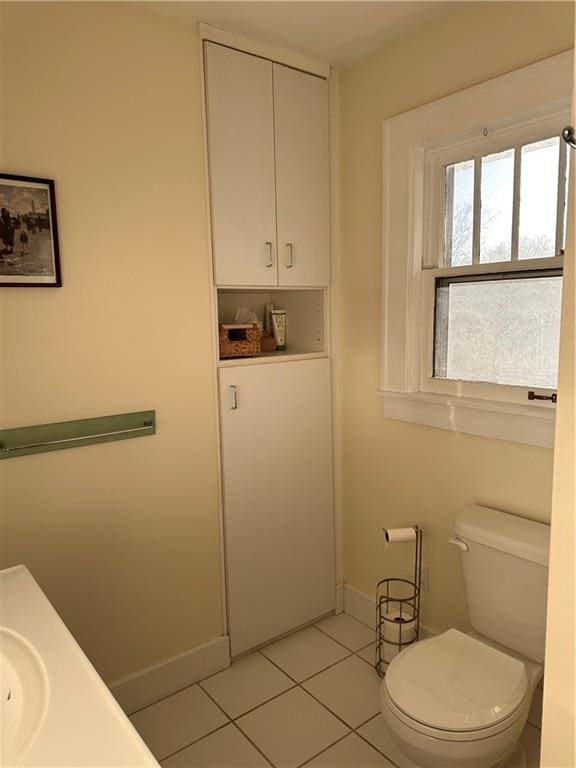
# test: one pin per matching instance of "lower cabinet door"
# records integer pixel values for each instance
(278, 502)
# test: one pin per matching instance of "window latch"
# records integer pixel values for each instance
(569, 136)
(533, 396)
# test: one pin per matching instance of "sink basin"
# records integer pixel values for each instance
(55, 709)
(24, 691)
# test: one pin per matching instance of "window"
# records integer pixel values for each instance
(519, 200)
(502, 328)
(495, 327)
(474, 218)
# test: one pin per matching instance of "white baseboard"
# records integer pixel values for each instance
(363, 608)
(153, 683)
(360, 606)
(339, 603)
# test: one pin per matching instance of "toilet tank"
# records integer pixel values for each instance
(505, 572)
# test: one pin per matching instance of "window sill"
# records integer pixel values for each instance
(530, 425)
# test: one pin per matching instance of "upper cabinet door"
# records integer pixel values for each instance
(241, 157)
(302, 177)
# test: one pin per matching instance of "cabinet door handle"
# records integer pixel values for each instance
(290, 247)
(270, 262)
(233, 397)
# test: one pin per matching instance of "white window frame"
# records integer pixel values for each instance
(435, 163)
(515, 109)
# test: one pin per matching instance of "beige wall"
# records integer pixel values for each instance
(396, 473)
(123, 537)
(559, 720)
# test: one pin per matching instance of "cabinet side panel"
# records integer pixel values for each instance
(304, 319)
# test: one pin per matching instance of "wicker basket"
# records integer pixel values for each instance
(239, 341)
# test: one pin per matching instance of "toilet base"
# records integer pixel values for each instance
(517, 760)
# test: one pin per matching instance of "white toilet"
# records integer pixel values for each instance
(460, 701)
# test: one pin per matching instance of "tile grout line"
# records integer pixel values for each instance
(299, 685)
(213, 700)
(278, 667)
(208, 677)
(327, 634)
(260, 704)
(350, 728)
(368, 662)
(365, 722)
(256, 747)
(294, 681)
(366, 741)
(295, 684)
(232, 720)
(305, 679)
(340, 641)
(257, 650)
(356, 731)
(308, 760)
(220, 727)
(353, 731)
(293, 687)
(360, 620)
(195, 741)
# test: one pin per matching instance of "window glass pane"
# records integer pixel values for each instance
(504, 331)
(539, 199)
(497, 189)
(458, 225)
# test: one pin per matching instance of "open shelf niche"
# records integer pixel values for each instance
(305, 318)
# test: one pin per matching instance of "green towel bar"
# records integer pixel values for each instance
(24, 441)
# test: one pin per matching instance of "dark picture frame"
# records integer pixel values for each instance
(29, 247)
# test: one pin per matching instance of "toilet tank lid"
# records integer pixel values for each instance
(505, 532)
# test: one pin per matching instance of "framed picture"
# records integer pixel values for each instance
(29, 254)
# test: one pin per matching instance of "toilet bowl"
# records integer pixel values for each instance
(462, 701)
(454, 701)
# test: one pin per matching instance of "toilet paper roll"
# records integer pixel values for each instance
(397, 628)
(398, 535)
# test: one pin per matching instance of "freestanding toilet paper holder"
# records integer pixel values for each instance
(398, 609)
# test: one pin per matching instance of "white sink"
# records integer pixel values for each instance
(56, 709)
(24, 692)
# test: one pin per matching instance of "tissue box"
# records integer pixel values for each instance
(239, 340)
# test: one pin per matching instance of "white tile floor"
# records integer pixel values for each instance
(309, 699)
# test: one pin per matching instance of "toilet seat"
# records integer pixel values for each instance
(440, 734)
(456, 686)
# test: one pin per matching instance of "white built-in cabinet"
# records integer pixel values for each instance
(268, 147)
(268, 161)
(277, 477)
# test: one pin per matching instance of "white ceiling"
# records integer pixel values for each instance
(338, 33)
